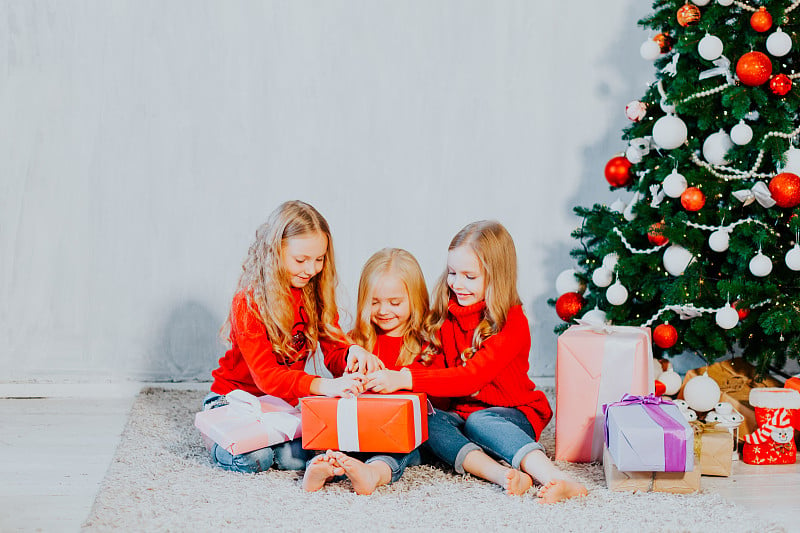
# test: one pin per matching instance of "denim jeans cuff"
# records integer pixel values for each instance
(391, 462)
(458, 464)
(516, 461)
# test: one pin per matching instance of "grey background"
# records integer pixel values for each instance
(142, 142)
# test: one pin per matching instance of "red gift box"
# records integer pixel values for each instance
(365, 423)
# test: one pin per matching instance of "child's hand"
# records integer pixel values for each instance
(386, 381)
(345, 386)
(360, 360)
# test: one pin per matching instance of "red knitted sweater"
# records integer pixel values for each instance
(252, 365)
(496, 375)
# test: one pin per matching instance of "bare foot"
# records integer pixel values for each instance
(364, 478)
(558, 490)
(517, 482)
(318, 472)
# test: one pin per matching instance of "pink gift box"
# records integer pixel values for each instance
(596, 365)
(248, 422)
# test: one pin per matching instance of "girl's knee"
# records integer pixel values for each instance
(246, 463)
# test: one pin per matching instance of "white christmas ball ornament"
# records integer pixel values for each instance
(716, 147)
(610, 261)
(719, 240)
(760, 265)
(792, 258)
(779, 44)
(710, 47)
(634, 155)
(672, 381)
(650, 50)
(701, 393)
(595, 316)
(725, 2)
(602, 277)
(741, 133)
(700, 2)
(568, 282)
(674, 184)
(669, 132)
(676, 259)
(727, 317)
(617, 294)
(792, 165)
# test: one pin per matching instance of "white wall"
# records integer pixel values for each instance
(142, 142)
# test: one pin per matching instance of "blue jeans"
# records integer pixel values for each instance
(502, 432)
(397, 462)
(284, 456)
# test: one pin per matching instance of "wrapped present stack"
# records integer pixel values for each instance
(596, 364)
(649, 446)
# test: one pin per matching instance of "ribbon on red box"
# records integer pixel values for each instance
(674, 432)
(347, 419)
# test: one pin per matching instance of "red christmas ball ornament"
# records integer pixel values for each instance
(780, 84)
(660, 388)
(688, 14)
(665, 336)
(655, 234)
(618, 171)
(754, 68)
(568, 305)
(693, 199)
(741, 311)
(664, 42)
(785, 189)
(761, 20)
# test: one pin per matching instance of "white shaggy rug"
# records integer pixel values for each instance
(162, 479)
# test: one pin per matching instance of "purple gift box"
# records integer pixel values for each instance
(648, 433)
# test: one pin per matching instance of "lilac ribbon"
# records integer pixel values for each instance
(674, 432)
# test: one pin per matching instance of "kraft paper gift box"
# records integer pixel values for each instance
(595, 366)
(248, 422)
(675, 482)
(713, 444)
(366, 423)
(736, 378)
(649, 434)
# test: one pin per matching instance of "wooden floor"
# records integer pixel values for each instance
(56, 442)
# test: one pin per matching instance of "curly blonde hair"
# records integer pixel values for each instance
(494, 248)
(266, 283)
(400, 263)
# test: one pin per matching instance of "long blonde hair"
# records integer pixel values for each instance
(494, 248)
(400, 263)
(266, 284)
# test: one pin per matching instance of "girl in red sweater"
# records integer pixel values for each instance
(390, 322)
(283, 309)
(496, 410)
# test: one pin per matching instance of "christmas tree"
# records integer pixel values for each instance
(703, 246)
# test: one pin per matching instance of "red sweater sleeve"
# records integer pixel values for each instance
(269, 375)
(335, 351)
(494, 355)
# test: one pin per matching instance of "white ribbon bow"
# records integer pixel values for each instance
(595, 325)
(759, 192)
(723, 68)
(245, 405)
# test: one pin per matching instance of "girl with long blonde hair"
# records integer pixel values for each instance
(283, 309)
(391, 323)
(496, 411)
